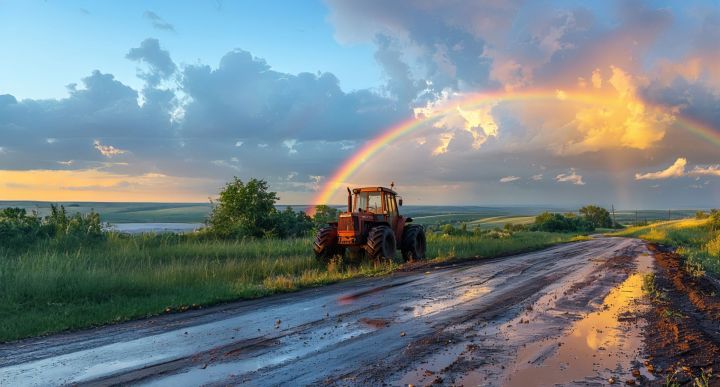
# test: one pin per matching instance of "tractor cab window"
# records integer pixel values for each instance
(370, 202)
(390, 205)
(374, 202)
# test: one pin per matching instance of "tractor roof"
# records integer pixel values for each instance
(374, 189)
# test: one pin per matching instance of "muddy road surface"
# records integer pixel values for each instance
(565, 315)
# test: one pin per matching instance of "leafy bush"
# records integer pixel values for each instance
(597, 216)
(248, 210)
(290, 224)
(18, 229)
(551, 222)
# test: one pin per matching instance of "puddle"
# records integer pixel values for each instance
(598, 347)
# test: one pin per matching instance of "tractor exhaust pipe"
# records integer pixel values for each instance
(349, 199)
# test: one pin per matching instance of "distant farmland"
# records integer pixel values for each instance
(473, 216)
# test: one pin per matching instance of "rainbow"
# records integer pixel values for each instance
(387, 136)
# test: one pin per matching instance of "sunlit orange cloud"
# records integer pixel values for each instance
(101, 186)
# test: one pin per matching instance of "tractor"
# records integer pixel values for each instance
(372, 225)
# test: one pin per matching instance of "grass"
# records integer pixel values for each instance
(45, 290)
(693, 238)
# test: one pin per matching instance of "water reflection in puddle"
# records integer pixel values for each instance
(601, 345)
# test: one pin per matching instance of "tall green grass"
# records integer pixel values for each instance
(694, 238)
(46, 289)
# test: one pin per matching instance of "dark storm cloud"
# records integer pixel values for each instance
(159, 61)
(158, 22)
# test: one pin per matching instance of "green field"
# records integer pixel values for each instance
(45, 290)
(694, 238)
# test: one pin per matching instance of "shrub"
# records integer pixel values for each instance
(290, 224)
(243, 209)
(248, 210)
(551, 222)
(18, 229)
(597, 216)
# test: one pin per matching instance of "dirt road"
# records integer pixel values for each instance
(562, 315)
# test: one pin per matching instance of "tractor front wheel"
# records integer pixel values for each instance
(381, 244)
(413, 242)
(325, 245)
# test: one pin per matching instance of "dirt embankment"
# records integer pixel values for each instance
(683, 332)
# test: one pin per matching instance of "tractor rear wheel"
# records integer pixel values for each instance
(381, 244)
(413, 242)
(325, 245)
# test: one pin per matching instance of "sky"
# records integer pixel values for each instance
(490, 102)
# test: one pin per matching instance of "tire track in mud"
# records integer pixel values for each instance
(359, 332)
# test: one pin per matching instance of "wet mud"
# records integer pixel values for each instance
(683, 334)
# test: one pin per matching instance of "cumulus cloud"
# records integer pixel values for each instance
(159, 61)
(479, 122)
(571, 177)
(158, 22)
(620, 118)
(675, 170)
(508, 179)
(244, 98)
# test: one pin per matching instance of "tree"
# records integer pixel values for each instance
(243, 209)
(323, 215)
(598, 216)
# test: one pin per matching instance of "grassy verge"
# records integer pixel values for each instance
(45, 289)
(693, 237)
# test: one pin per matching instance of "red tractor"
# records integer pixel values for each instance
(372, 224)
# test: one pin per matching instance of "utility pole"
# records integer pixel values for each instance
(613, 212)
